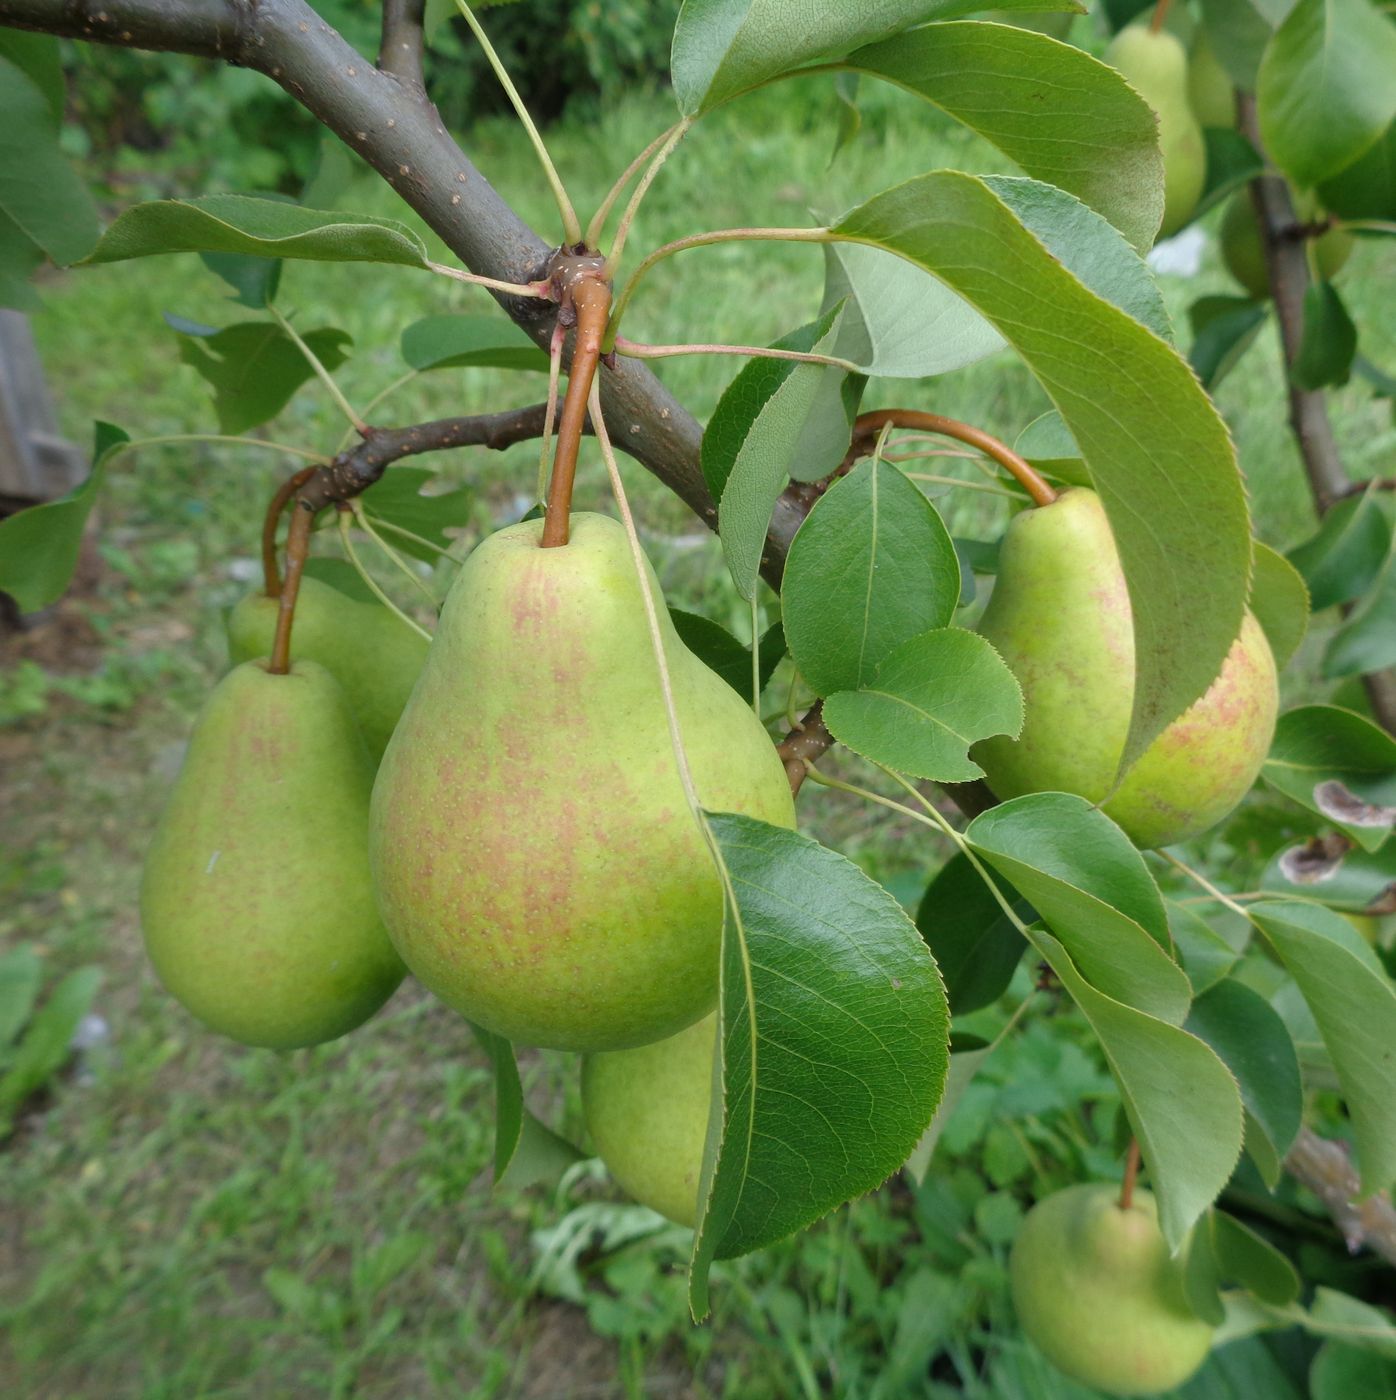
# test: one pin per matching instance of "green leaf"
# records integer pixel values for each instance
(1250, 1260)
(1354, 1003)
(39, 546)
(255, 368)
(1092, 889)
(720, 651)
(1366, 189)
(1342, 559)
(20, 972)
(540, 1155)
(1329, 342)
(770, 452)
(1223, 328)
(254, 280)
(833, 1047)
(933, 696)
(1206, 956)
(901, 323)
(871, 567)
(1251, 1039)
(508, 1098)
(1280, 602)
(19, 257)
(1158, 454)
(397, 498)
(1366, 642)
(342, 576)
(39, 192)
(1180, 1099)
(452, 342)
(1327, 87)
(747, 397)
(1238, 31)
(1339, 764)
(1047, 443)
(1231, 162)
(725, 47)
(1343, 1372)
(38, 58)
(975, 944)
(1066, 118)
(269, 228)
(44, 1047)
(964, 1065)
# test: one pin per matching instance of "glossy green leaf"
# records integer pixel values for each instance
(1206, 956)
(720, 651)
(397, 497)
(975, 944)
(1366, 189)
(1329, 342)
(1092, 889)
(1342, 559)
(1251, 1261)
(1180, 1099)
(1339, 764)
(1231, 162)
(39, 546)
(725, 47)
(1159, 455)
(964, 1065)
(1354, 1003)
(1223, 328)
(20, 256)
(1047, 443)
(268, 228)
(871, 567)
(1251, 1039)
(20, 972)
(1327, 86)
(39, 192)
(342, 576)
(833, 1047)
(1366, 641)
(745, 399)
(769, 455)
(255, 368)
(254, 280)
(454, 342)
(508, 1097)
(46, 1043)
(933, 696)
(1066, 118)
(1280, 601)
(1238, 31)
(37, 56)
(1341, 1372)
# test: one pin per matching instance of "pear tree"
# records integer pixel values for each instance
(571, 814)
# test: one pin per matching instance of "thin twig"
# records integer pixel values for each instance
(637, 350)
(321, 373)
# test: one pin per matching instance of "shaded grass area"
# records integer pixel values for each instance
(183, 1217)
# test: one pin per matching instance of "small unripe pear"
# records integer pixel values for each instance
(647, 1111)
(1244, 254)
(1097, 1292)
(1060, 616)
(1210, 89)
(1156, 67)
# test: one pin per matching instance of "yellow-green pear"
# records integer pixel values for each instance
(368, 649)
(256, 903)
(647, 1112)
(1210, 89)
(537, 862)
(1097, 1292)
(1244, 254)
(1156, 67)
(1060, 616)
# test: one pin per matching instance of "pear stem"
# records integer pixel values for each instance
(591, 299)
(297, 548)
(869, 424)
(271, 577)
(1131, 1174)
(1160, 14)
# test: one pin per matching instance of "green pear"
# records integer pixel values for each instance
(1211, 93)
(1098, 1294)
(647, 1112)
(1060, 617)
(256, 901)
(368, 649)
(1156, 67)
(1244, 254)
(536, 860)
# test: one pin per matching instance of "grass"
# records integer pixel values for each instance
(195, 1219)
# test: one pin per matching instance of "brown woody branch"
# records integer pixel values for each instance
(806, 743)
(401, 48)
(1325, 1168)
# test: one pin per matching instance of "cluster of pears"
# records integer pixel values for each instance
(1097, 1292)
(1060, 616)
(526, 848)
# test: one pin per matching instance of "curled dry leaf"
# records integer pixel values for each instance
(1317, 860)
(1335, 800)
